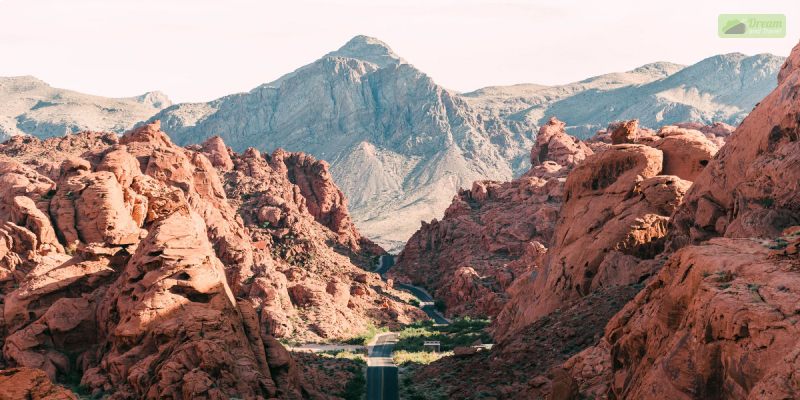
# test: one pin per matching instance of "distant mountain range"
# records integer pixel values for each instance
(31, 106)
(400, 145)
(722, 88)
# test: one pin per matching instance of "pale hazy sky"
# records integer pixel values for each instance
(198, 50)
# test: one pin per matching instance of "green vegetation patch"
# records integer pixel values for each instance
(365, 337)
(461, 332)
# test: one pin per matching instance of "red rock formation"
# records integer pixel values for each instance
(492, 234)
(322, 198)
(303, 275)
(553, 144)
(615, 214)
(132, 269)
(626, 132)
(686, 152)
(718, 320)
(29, 383)
(715, 323)
(749, 189)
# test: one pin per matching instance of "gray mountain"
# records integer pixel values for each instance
(723, 88)
(400, 145)
(31, 106)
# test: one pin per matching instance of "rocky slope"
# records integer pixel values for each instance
(494, 233)
(719, 318)
(715, 317)
(530, 101)
(139, 269)
(30, 106)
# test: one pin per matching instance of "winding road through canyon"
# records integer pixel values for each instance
(382, 374)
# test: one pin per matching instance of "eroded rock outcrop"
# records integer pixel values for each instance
(718, 320)
(493, 233)
(615, 214)
(323, 200)
(33, 384)
(750, 188)
(129, 269)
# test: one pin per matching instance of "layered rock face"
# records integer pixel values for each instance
(494, 233)
(127, 267)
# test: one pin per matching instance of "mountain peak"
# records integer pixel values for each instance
(368, 49)
(155, 99)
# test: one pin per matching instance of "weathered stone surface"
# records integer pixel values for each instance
(323, 199)
(749, 189)
(715, 322)
(29, 383)
(217, 153)
(553, 144)
(492, 234)
(615, 213)
(686, 152)
(152, 283)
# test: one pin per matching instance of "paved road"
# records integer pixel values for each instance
(317, 347)
(382, 379)
(382, 382)
(425, 299)
(426, 303)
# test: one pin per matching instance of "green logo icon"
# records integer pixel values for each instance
(751, 25)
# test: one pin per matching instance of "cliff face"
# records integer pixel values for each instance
(146, 270)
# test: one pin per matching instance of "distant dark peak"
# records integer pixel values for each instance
(368, 49)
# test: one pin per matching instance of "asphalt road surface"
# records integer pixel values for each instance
(426, 303)
(425, 299)
(382, 382)
(382, 377)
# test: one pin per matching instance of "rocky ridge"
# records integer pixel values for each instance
(493, 233)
